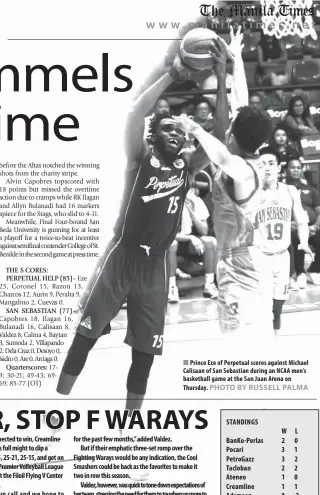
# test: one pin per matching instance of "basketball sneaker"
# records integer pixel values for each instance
(173, 296)
(182, 275)
(314, 278)
(293, 284)
(302, 281)
(210, 290)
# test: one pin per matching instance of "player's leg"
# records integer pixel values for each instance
(173, 296)
(137, 379)
(277, 311)
(146, 317)
(106, 298)
(94, 275)
(74, 363)
(299, 256)
(281, 276)
(228, 303)
(209, 262)
(245, 294)
(292, 282)
(314, 269)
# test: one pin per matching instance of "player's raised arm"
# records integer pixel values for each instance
(239, 88)
(221, 115)
(301, 219)
(199, 159)
(135, 145)
(217, 152)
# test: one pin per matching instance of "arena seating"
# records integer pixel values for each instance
(306, 72)
(203, 182)
(311, 47)
(294, 47)
(249, 52)
(316, 17)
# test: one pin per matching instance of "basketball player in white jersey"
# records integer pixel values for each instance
(243, 282)
(280, 203)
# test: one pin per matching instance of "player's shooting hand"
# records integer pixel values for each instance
(187, 125)
(306, 249)
(197, 244)
(219, 55)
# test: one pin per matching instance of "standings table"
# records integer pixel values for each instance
(270, 452)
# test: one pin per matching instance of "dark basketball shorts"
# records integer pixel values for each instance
(139, 279)
(245, 292)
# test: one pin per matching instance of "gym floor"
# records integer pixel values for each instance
(192, 332)
(193, 307)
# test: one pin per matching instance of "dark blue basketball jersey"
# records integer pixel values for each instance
(152, 204)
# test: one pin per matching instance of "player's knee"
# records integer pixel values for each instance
(82, 344)
(209, 242)
(139, 372)
(173, 247)
(77, 355)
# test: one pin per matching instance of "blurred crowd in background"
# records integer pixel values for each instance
(283, 77)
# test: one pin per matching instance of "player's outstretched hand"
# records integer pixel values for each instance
(235, 48)
(219, 56)
(306, 249)
(187, 125)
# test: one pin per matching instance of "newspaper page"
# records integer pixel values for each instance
(160, 248)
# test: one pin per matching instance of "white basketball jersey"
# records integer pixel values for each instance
(273, 220)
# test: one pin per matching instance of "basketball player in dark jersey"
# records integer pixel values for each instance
(134, 267)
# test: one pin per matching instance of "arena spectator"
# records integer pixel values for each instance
(279, 141)
(275, 99)
(298, 121)
(310, 200)
(255, 100)
(193, 240)
(202, 115)
(162, 105)
(187, 108)
(272, 62)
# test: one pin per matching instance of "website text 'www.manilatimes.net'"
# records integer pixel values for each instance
(182, 27)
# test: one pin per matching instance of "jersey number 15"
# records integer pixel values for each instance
(173, 204)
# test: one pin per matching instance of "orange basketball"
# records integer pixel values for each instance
(195, 48)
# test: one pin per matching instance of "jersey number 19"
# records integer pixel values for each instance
(275, 231)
